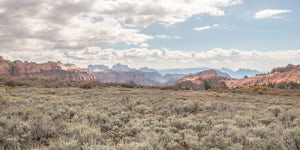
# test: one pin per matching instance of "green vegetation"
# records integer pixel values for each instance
(115, 117)
(206, 85)
(286, 85)
(271, 89)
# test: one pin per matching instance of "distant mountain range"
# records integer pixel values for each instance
(241, 73)
(120, 73)
(183, 71)
(118, 67)
(281, 76)
(234, 74)
(288, 74)
(123, 74)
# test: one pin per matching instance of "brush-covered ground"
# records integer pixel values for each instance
(144, 118)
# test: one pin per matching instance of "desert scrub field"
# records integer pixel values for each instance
(144, 118)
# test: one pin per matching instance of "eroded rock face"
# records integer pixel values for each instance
(47, 70)
(288, 68)
(137, 77)
(290, 73)
(204, 80)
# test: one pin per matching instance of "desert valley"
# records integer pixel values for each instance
(149, 75)
(61, 106)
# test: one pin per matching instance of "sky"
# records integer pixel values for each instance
(161, 34)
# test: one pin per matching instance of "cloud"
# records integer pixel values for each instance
(206, 27)
(168, 12)
(270, 13)
(202, 28)
(164, 58)
(74, 24)
(216, 25)
(161, 36)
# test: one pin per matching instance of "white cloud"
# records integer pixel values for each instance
(270, 13)
(70, 24)
(216, 25)
(73, 32)
(165, 58)
(162, 36)
(202, 28)
(136, 12)
(206, 27)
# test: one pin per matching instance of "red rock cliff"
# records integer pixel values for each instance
(47, 70)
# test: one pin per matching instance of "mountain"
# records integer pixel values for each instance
(204, 80)
(241, 73)
(120, 67)
(67, 66)
(120, 73)
(234, 74)
(146, 69)
(135, 76)
(290, 73)
(49, 70)
(288, 68)
(281, 76)
(123, 74)
(96, 68)
(182, 70)
(172, 78)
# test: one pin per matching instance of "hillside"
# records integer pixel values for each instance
(120, 73)
(290, 73)
(137, 77)
(234, 74)
(49, 70)
(204, 80)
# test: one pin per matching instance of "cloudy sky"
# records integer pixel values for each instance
(236, 34)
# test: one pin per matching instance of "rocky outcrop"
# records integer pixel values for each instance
(67, 67)
(137, 77)
(234, 74)
(97, 68)
(49, 70)
(123, 74)
(290, 73)
(241, 73)
(288, 68)
(204, 80)
(120, 67)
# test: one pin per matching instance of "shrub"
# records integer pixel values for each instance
(118, 118)
(206, 85)
(8, 88)
(275, 110)
(65, 145)
(129, 85)
(243, 122)
(86, 85)
(11, 83)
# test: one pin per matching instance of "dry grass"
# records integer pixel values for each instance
(265, 90)
(144, 118)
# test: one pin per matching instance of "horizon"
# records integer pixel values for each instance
(157, 69)
(167, 34)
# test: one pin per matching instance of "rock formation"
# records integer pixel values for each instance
(123, 74)
(204, 80)
(49, 70)
(290, 73)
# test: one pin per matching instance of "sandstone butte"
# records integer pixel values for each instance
(290, 73)
(49, 70)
